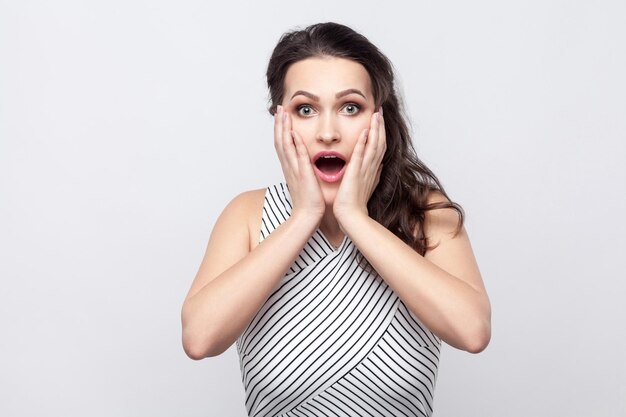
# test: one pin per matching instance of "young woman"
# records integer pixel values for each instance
(339, 284)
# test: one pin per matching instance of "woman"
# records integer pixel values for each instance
(339, 285)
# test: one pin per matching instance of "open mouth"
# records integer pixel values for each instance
(329, 166)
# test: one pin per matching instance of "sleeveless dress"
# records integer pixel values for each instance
(333, 339)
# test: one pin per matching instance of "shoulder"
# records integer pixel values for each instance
(246, 209)
(245, 205)
(448, 241)
(230, 238)
(441, 224)
(247, 200)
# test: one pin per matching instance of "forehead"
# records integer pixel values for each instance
(327, 75)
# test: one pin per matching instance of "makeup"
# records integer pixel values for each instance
(329, 165)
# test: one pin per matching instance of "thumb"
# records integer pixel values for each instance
(380, 170)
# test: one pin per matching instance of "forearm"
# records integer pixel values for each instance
(215, 316)
(454, 310)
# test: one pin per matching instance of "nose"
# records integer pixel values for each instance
(327, 129)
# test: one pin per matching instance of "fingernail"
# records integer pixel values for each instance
(381, 110)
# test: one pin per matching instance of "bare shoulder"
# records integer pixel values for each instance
(247, 199)
(252, 202)
(440, 224)
(246, 209)
(452, 248)
(231, 238)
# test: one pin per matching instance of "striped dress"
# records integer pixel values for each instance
(333, 339)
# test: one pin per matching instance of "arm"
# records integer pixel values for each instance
(443, 288)
(233, 281)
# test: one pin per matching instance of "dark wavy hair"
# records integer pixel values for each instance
(399, 202)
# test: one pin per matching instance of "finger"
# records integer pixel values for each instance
(289, 147)
(305, 167)
(278, 144)
(378, 173)
(301, 150)
(278, 124)
(356, 159)
(376, 181)
(382, 137)
(278, 130)
(370, 153)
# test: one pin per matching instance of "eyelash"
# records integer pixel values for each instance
(302, 106)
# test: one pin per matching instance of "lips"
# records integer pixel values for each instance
(329, 165)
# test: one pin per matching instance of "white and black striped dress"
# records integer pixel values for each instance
(333, 339)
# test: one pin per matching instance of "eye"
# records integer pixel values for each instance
(351, 108)
(305, 110)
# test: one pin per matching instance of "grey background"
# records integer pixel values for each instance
(126, 126)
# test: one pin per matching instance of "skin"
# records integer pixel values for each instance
(443, 288)
(311, 119)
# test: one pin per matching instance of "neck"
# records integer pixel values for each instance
(330, 228)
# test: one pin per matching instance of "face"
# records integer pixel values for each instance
(330, 102)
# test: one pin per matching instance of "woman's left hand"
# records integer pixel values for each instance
(362, 172)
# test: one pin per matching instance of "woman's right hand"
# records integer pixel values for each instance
(236, 277)
(306, 194)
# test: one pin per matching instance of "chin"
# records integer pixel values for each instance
(329, 191)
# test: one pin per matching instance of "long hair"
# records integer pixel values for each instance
(399, 201)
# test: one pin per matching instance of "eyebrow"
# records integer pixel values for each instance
(338, 95)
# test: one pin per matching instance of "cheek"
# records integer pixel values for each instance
(352, 131)
(304, 128)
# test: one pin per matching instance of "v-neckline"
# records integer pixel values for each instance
(331, 247)
(328, 242)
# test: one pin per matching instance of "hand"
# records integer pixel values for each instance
(306, 194)
(363, 171)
